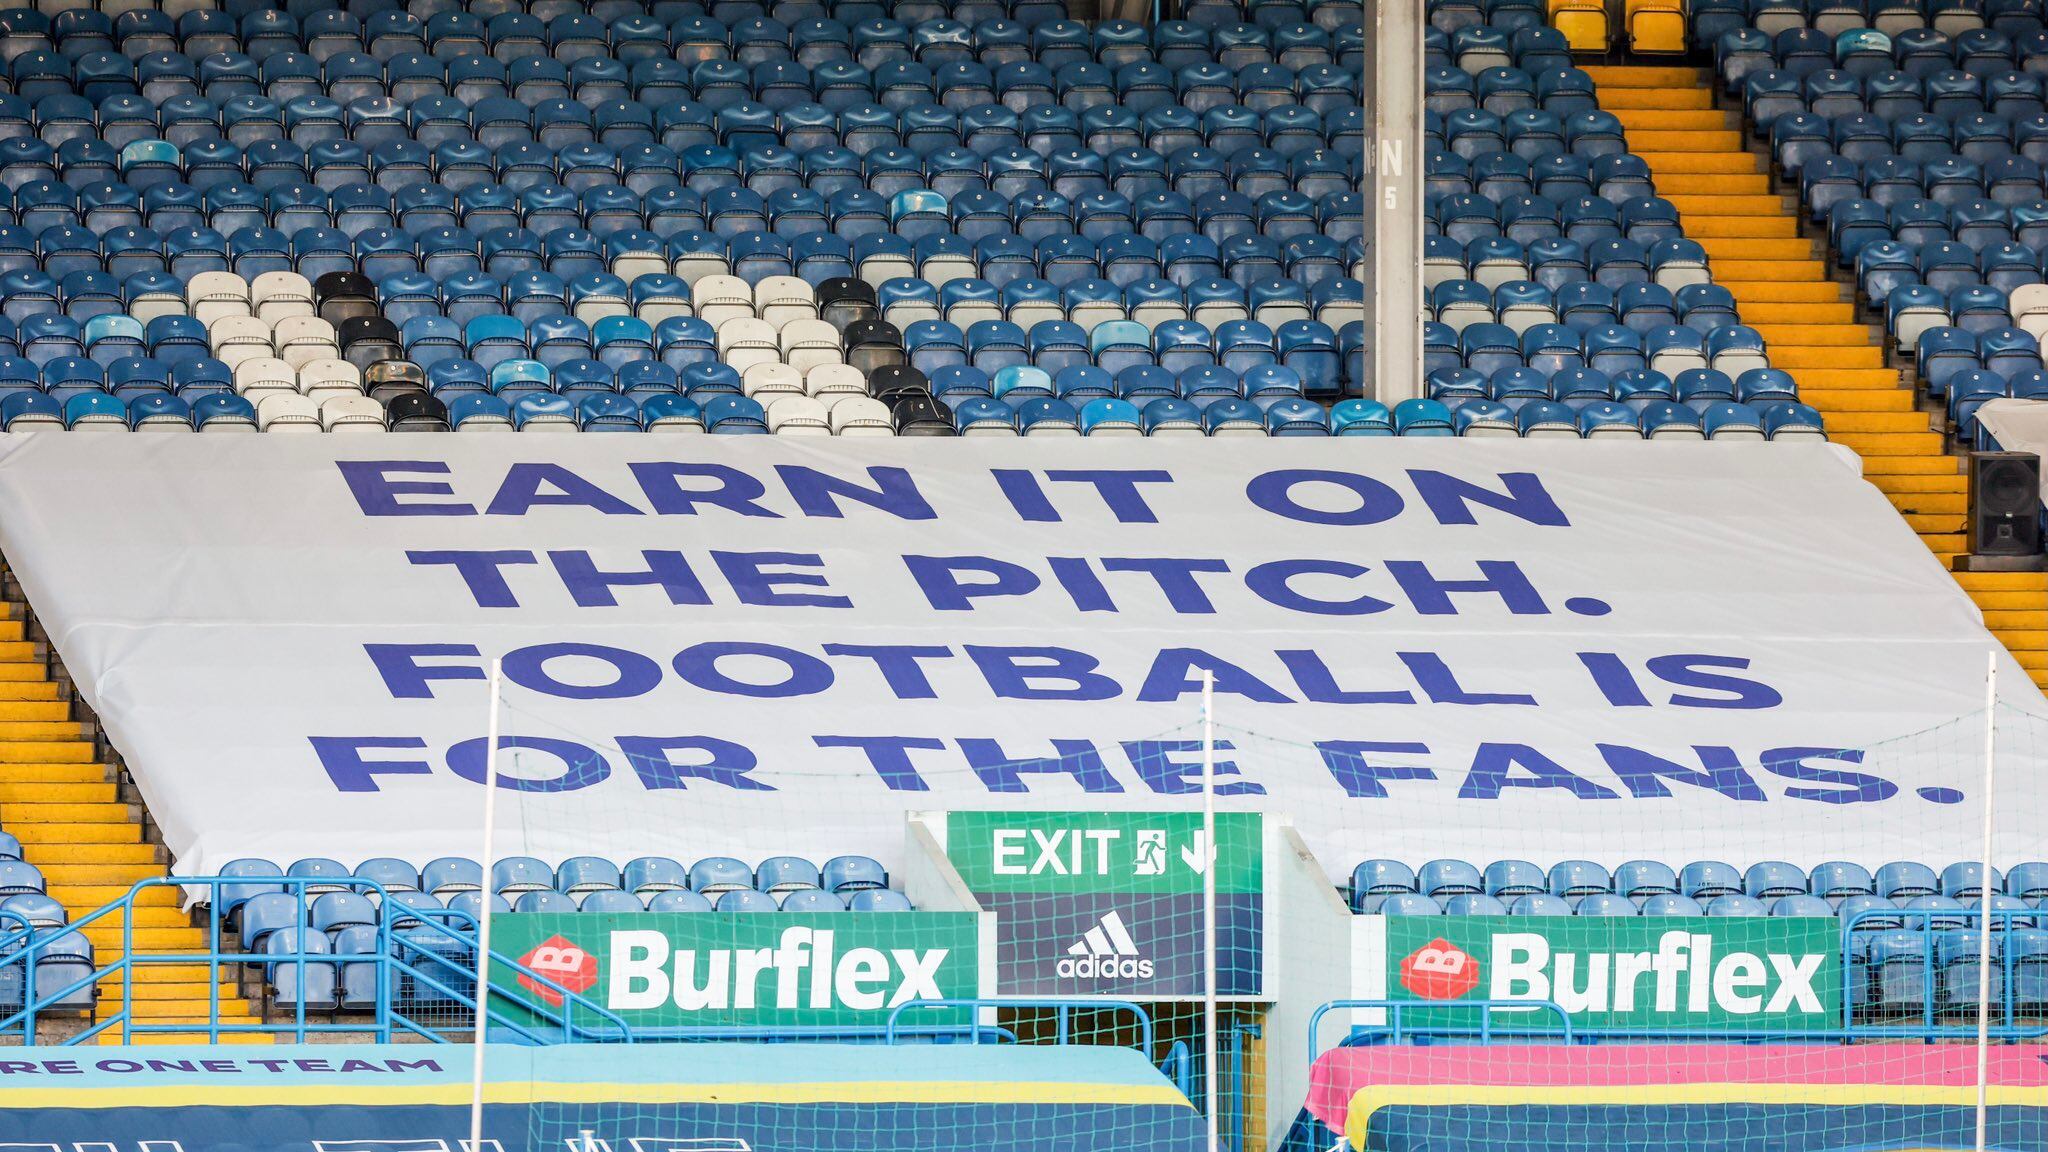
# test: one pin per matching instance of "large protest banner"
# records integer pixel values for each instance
(741, 646)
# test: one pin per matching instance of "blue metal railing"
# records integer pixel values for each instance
(1396, 1029)
(2005, 968)
(438, 957)
(1062, 1009)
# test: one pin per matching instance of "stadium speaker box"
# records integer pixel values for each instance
(2005, 504)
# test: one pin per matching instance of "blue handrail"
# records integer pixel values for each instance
(1397, 1009)
(1063, 1009)
(398, 956)
(1928, 1030)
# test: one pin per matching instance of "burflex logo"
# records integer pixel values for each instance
(1440, 970)
(562, 961)
(1105, 952)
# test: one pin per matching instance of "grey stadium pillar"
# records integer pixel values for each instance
(1393, 188)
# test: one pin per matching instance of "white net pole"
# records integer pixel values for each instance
(483, 929)
(1984, 900)
(1209, 1041)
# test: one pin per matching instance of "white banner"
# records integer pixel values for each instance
(1422, 648)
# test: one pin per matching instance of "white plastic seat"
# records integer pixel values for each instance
(1735, 362)
(829, 381)
(2029, 306)
(904, 313)
(211, 295)
(147, 306)
(1153, 313)
(771, 379)
(798, 416)
(745, 341)
(1281, 312)
(300, 340)
(718, 299)
(261, 376)
(1460, 314)
(861, 416)
(287, 412)
(655, 309)
(691, 269)
(968, 312)
(1678, 358)
(237, 338)
(277, 296)
(356, 413)
(780, 300)
(806, 344)
(631, 268)
(942, 270)
(882, 267)
(325, 379)
(1212, 314)
(1030, 312)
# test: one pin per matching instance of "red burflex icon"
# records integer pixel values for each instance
(562, 961)
(1440, 970)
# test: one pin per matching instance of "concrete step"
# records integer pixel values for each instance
(2017, 619)
(1780, 270)
(1955, 503)
(1830, 400)
(153, 940)
(101, 792)
(12, 731)
(46, 751)
(46, 710)
(1768, 290)
(41, 773)
(1792, 356)
(1695, 161)
(124, 875)
(1841, 313)
(1721, 225)
(1935, 524)
(28, 688)
(2018, 640)
(1668, 119)
(2003, 581)
(1945, 547)
(1778, 331)
(1616, 99)
(47, 853)
(24, 814)
(1607, 76)
(1724, 249)
(1868, 444)
(2031, 601)
(1894, 485)
(86, 833)
(1881, 379)
(1877, 422)
(1727, 187)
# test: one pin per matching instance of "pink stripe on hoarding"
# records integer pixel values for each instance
(1341, 1072)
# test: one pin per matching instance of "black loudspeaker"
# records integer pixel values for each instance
(2005, 504)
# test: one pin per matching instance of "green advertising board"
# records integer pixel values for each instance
(765, 969)
(1142, 853)
(1717, 973)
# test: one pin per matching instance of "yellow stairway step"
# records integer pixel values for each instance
(1934, 523)
(1616, 99)
(1768, 291)
(2022, 639)
(28, 815)
(157, 939)
(1890, 443)
(2003, 581)
(234, 1010)
(124, 875)
(1892, 485)
(45, 710)
(25, 670)
(14, 651)
(1792, 356)
(192, 992)
(1723, 225)
(1631, 76)
(1721, 248)
(1672, 119)
(1733, 193)
(97, 793)
(2017, 620)
(1809, 377)
(45, 751)
(1695, 162)
(2034, 662)
(2029, 601)
(1858, 399)
(1955, 503)
(86, 897)
(1841, 312)
(14, 730)
(48, 852)
(1789, 269)
(1931, 464)
(1775, 333)
(34, 773)
(114, 1037)
(100, 833)
(1945, 548)
(179, 973)
(27, 688)
(1852, 422)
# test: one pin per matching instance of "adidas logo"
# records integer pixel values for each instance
(1105, 952)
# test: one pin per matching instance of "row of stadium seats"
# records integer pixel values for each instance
(2016, 97)
(1638, 880)
(1711, 18)
(683, 33)
(1917, 52)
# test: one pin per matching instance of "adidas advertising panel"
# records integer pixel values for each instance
(742, 646)
(761, 969)
(1110, 903)
(1663, 974)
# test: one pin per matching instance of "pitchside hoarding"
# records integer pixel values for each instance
(744, 969)
(1665, 974)
(1110, 903)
